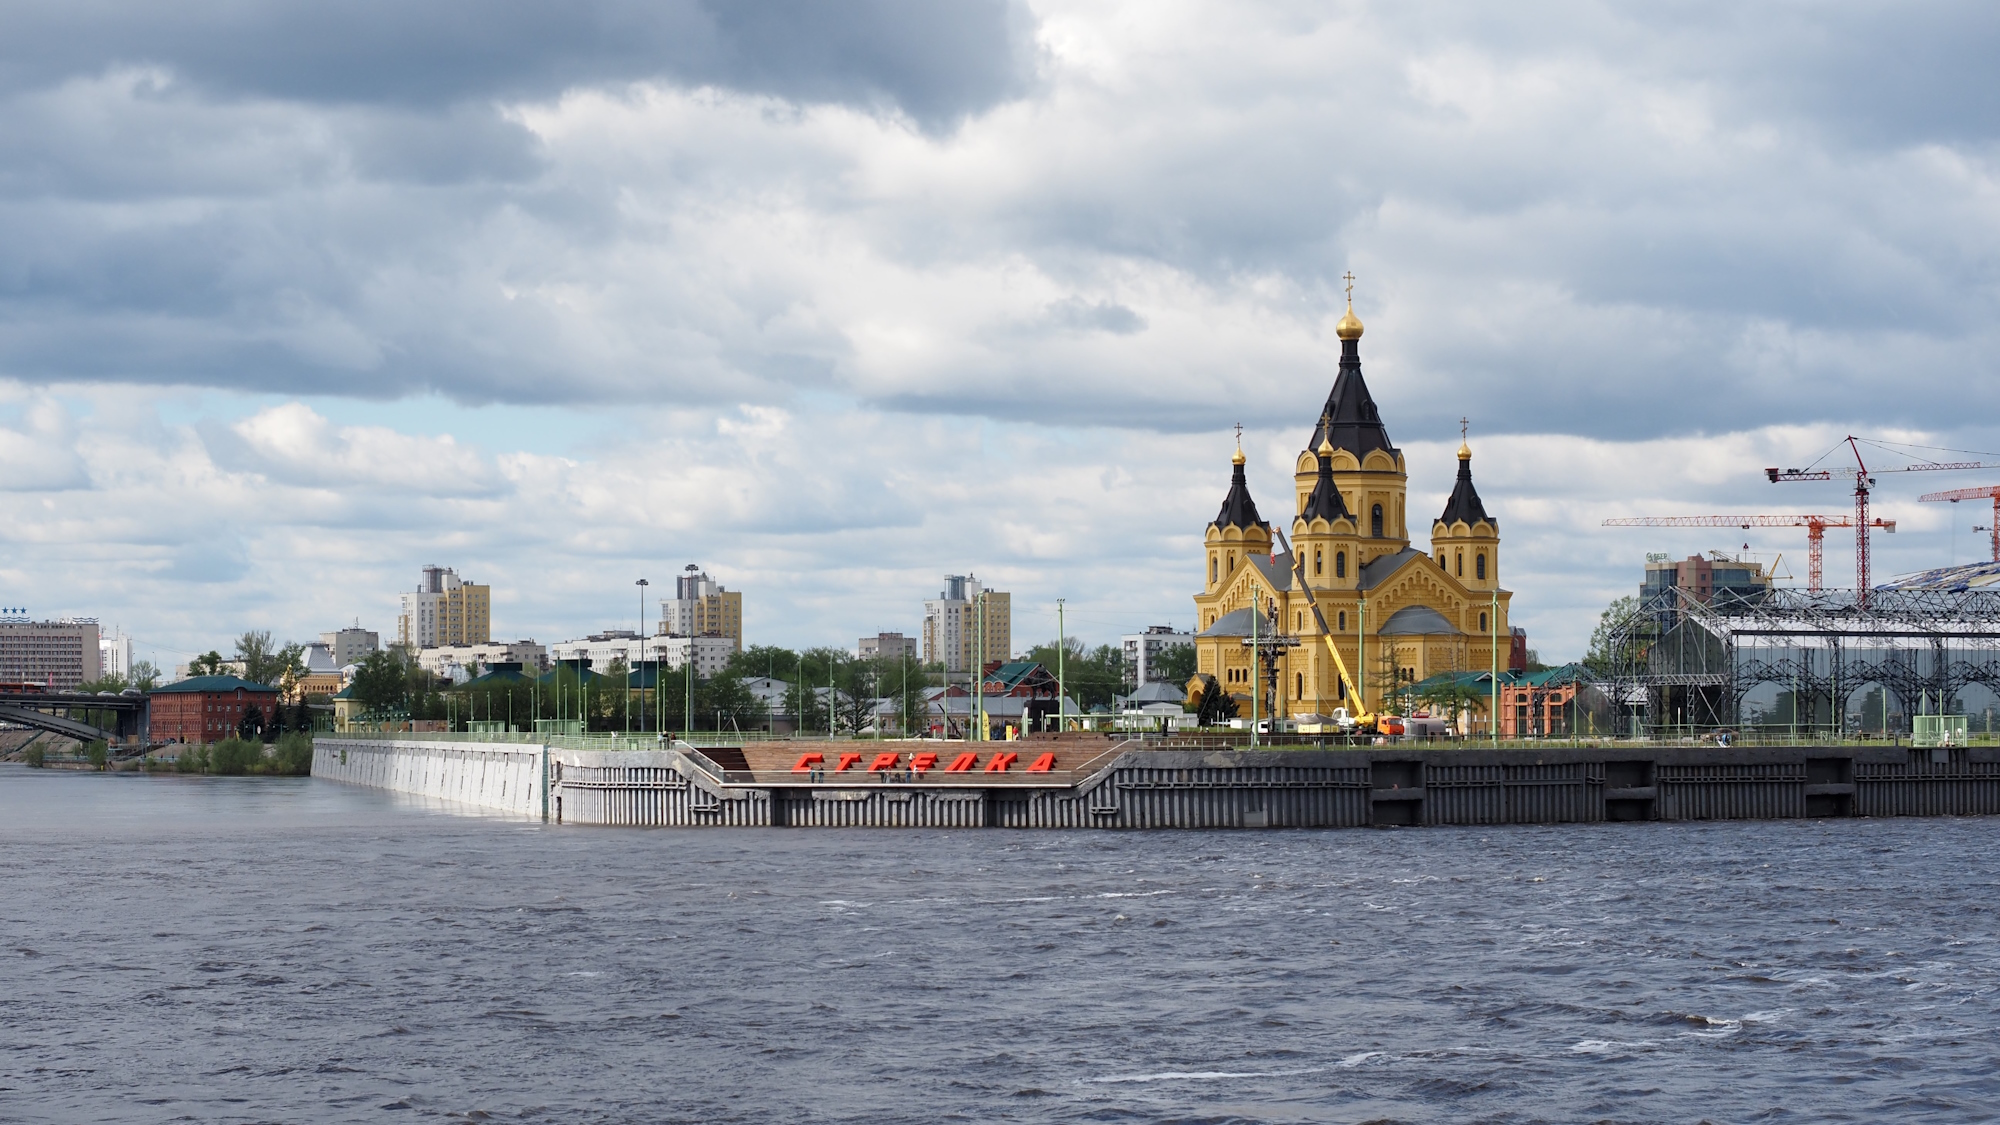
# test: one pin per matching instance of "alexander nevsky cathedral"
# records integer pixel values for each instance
(1396, 614)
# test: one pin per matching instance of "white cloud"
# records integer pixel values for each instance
(832, 346)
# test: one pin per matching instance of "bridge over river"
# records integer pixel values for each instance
(86, 716)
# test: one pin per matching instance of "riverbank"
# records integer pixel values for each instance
(289, 756)
(1133, 785)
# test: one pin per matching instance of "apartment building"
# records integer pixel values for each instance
(710, 654)
(351, 645)
(456, 662)
(114, 655)
(445, 610)
(895, 646)
(701, 607)
(1143, 652)
(968, 626)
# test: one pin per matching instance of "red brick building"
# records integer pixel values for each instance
(206, 708)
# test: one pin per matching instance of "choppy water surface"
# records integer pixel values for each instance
(297, 950)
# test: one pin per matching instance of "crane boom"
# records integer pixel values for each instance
(1815, 531)
(1864, 479)
(1983, 492)
(1364, 718)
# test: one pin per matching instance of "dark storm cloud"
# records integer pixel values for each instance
(935, 60)
(1569, 217)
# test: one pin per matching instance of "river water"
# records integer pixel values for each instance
(255, 949)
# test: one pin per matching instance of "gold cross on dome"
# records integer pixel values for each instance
(1349, 278)
(1462, 425)
(1239, 435)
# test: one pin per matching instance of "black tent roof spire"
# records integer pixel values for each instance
(1350, 420)
(1464, 503)
(1238, 509)
(1325, 502)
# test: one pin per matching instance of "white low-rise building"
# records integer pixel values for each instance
(710, 654)
(456, 662)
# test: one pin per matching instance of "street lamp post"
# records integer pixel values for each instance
(642, 584)
(1493, 620)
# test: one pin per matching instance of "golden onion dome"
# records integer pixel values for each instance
(1325, 447)
(1238, 459)
(1464, 451)
(1349, 327)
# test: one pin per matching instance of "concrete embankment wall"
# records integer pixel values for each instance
(504, 776)
(1205, 788)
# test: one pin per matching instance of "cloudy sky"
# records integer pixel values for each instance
(836, 298)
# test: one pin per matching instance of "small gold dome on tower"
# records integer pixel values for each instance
(1464, 451)
(1325, 447)
(1238, 458)
(1349, 327)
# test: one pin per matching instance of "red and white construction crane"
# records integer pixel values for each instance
(1991, 491)
(1815, 532)
(1864, 479)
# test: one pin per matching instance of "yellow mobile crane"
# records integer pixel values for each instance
(1365, 719)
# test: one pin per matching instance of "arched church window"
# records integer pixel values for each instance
(1232, 562)
(1461, 564)
(1479, 565)
(1375, 522)
(1482, 623)
(1301, 692)
(1340, 690)
(1212, 568)
(1340, 564)
(1343, 620)
(1316, 560)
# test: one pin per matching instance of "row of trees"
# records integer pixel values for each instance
(823, 689)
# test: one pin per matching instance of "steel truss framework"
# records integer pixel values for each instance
(1676, 663)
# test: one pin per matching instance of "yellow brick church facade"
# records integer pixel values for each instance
(1397, 614)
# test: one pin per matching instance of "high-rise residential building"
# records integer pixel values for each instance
(351, 645)
(968, 626)
(445, 610)
(700, 607)
(58, 655)
(1143, 652)
(895, 646)
(114, 655)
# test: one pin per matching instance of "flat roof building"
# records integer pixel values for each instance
(59, 655)
(1143, 652)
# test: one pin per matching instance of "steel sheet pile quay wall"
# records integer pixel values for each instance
(1208, 788)
(1732, 791)
(649, 788)
(1234, 789)
(1943, 782)
(1526, 793)
(493, 776)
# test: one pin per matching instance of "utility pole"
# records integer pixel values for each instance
(1361, 644)
(1256, 671)
(979, 662)
(1493, 620)
(1062, 654)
